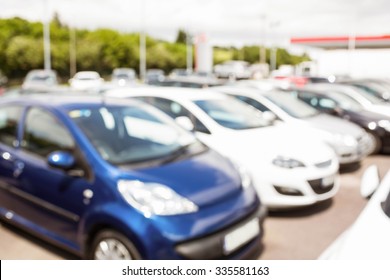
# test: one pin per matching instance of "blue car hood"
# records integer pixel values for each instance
(205, 179)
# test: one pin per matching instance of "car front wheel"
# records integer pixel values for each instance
(377, 146)
(112, 245)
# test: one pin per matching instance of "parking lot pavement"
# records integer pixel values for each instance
(299, 234)
(304, 234)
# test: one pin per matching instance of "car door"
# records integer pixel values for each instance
(54, 201)
(10, 116)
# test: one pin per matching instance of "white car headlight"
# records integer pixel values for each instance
(245, 175)
(154, 198)
(384, 124)
(246, 179)
(347, 140)
(287, 162)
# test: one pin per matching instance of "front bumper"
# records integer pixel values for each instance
(211, 247)
(353, 154)
(290, 188)
(157, 237)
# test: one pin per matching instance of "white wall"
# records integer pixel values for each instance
(362, 63)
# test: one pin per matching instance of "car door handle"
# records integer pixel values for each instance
(18, 169)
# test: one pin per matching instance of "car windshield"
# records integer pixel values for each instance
(124, 76)
(231, 113)
(87, 78)
(41, 78)
(368, 96)
(125, 135)
(291, 105)
(345, 102)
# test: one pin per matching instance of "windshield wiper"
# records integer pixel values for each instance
(176, 154)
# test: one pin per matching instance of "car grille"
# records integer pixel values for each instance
(318, 187)
(324, 164)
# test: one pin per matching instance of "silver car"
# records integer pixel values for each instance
(349, 141)
(40, 79)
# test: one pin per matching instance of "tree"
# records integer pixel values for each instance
(102, 50)
(181, 37)
(24, 53)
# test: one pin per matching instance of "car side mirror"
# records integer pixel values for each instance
(337, 111)
(62, 160)
(370, 181)
(185, 123)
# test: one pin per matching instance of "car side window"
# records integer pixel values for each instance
(44, 134)
(254, 103)
(9, 122)
(327, 103)
(309, 98)
(174, 110)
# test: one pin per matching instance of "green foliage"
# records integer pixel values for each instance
(22, 54)
(221, 55)
(181, 37)
(102, 50)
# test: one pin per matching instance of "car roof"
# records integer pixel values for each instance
(64, 100)
(87, 73)
(246, 91)
(168, 92)
(325, 87)
(238, 90)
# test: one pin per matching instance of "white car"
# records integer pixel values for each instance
(40, 79)
(233, 69)
(86, 80)
(287, 170)
(350, 142)
(367, 101)
(368, 237)
(123, 76)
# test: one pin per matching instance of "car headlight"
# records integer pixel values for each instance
(287, 162)
(384, 124)
(347, 140)
(246, 179)
(245, 176)
(154, 198)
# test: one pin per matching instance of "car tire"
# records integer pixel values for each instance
(377, 143)
(112, 245)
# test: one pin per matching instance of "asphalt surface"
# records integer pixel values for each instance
(301, 234)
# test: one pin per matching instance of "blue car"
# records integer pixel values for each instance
(115, 179)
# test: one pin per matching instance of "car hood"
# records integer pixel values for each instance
(368, 237)
(334, 125)
(381, 109)
(205, 179)
(365, 117)
(261, 145)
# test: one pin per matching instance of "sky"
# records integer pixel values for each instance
(225, 22)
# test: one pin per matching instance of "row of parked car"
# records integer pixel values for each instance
(167, 173)
(40, 79)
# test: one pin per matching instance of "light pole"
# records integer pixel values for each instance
(274, 50)
(72, 52)
(46, 37)
(189, 52)
(142, 43)
(263, 54)
(351, 45)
